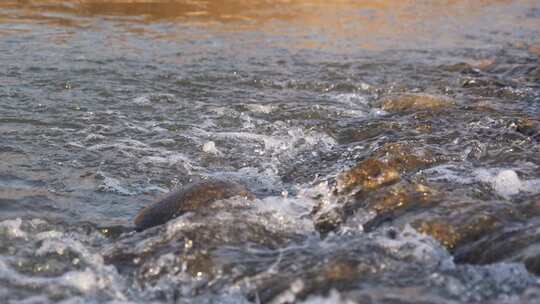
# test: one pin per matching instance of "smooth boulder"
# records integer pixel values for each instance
(193, 197)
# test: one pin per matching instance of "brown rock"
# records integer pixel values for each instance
(528, 127)
(389, 163)
(400, 198)
(424, 128)
(457, 232)
(376, 183)
(470, 66)
(535, 49)
(370, 174)
(405, 158)
(441, 231)
(482, 64)
(193, 197)
(328, 220)
(392, 202)
(415, 102)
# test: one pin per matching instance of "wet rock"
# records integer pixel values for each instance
(328, 220)
(424, 128)
(390, 162)
(456, 232)
(354, 267)
(534, 74)
(443, 232)
(532, 263)
(473, 67)
(482, 82)
(407, 158)
(461, 67)
(398, 200)
(192, 247)
(363, 131)
(306, 165)
(113, 231)
(368, 175)
(535, 49)
(336, 271)
(380, 184)
(415, 102)
(528, 127)
(517, 241)
(194, 197)
(483, 64)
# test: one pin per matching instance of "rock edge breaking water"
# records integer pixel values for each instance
(194, 197)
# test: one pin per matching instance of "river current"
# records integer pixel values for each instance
(392, 147)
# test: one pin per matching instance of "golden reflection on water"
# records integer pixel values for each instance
(371, 23)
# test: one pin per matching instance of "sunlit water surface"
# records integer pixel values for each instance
(107, 105)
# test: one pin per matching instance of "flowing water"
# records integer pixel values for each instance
(392, 146)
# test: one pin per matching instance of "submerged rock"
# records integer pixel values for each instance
(415, 102)
(329, 218)
(471, 67)
(534, 49)
(370, 174)
(396, 201)
(382, 185)
(516, 240)
(386, 168)
(407, 158)
(191, 251)
(528, 127)
(194, 197)
(457, 231)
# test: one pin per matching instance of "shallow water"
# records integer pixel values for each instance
(107, 105)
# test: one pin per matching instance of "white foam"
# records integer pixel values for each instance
(276, 213)
(333, 298)
(256, 179)
(172, 228)
(290, 294)
(351, 99)
(113, 185)
(50, 246)
(148, 99)
(295, 140)
(258, 108)
(506, 182)
(40, 300)
(96, 277)
(13, 228)
(94, 137)
(210, 148)
(36, 222)
(288, 211)
(166, 158)
(49, 235)
(358, 105)
(450, 173)
(142, 100)
(84, 281)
